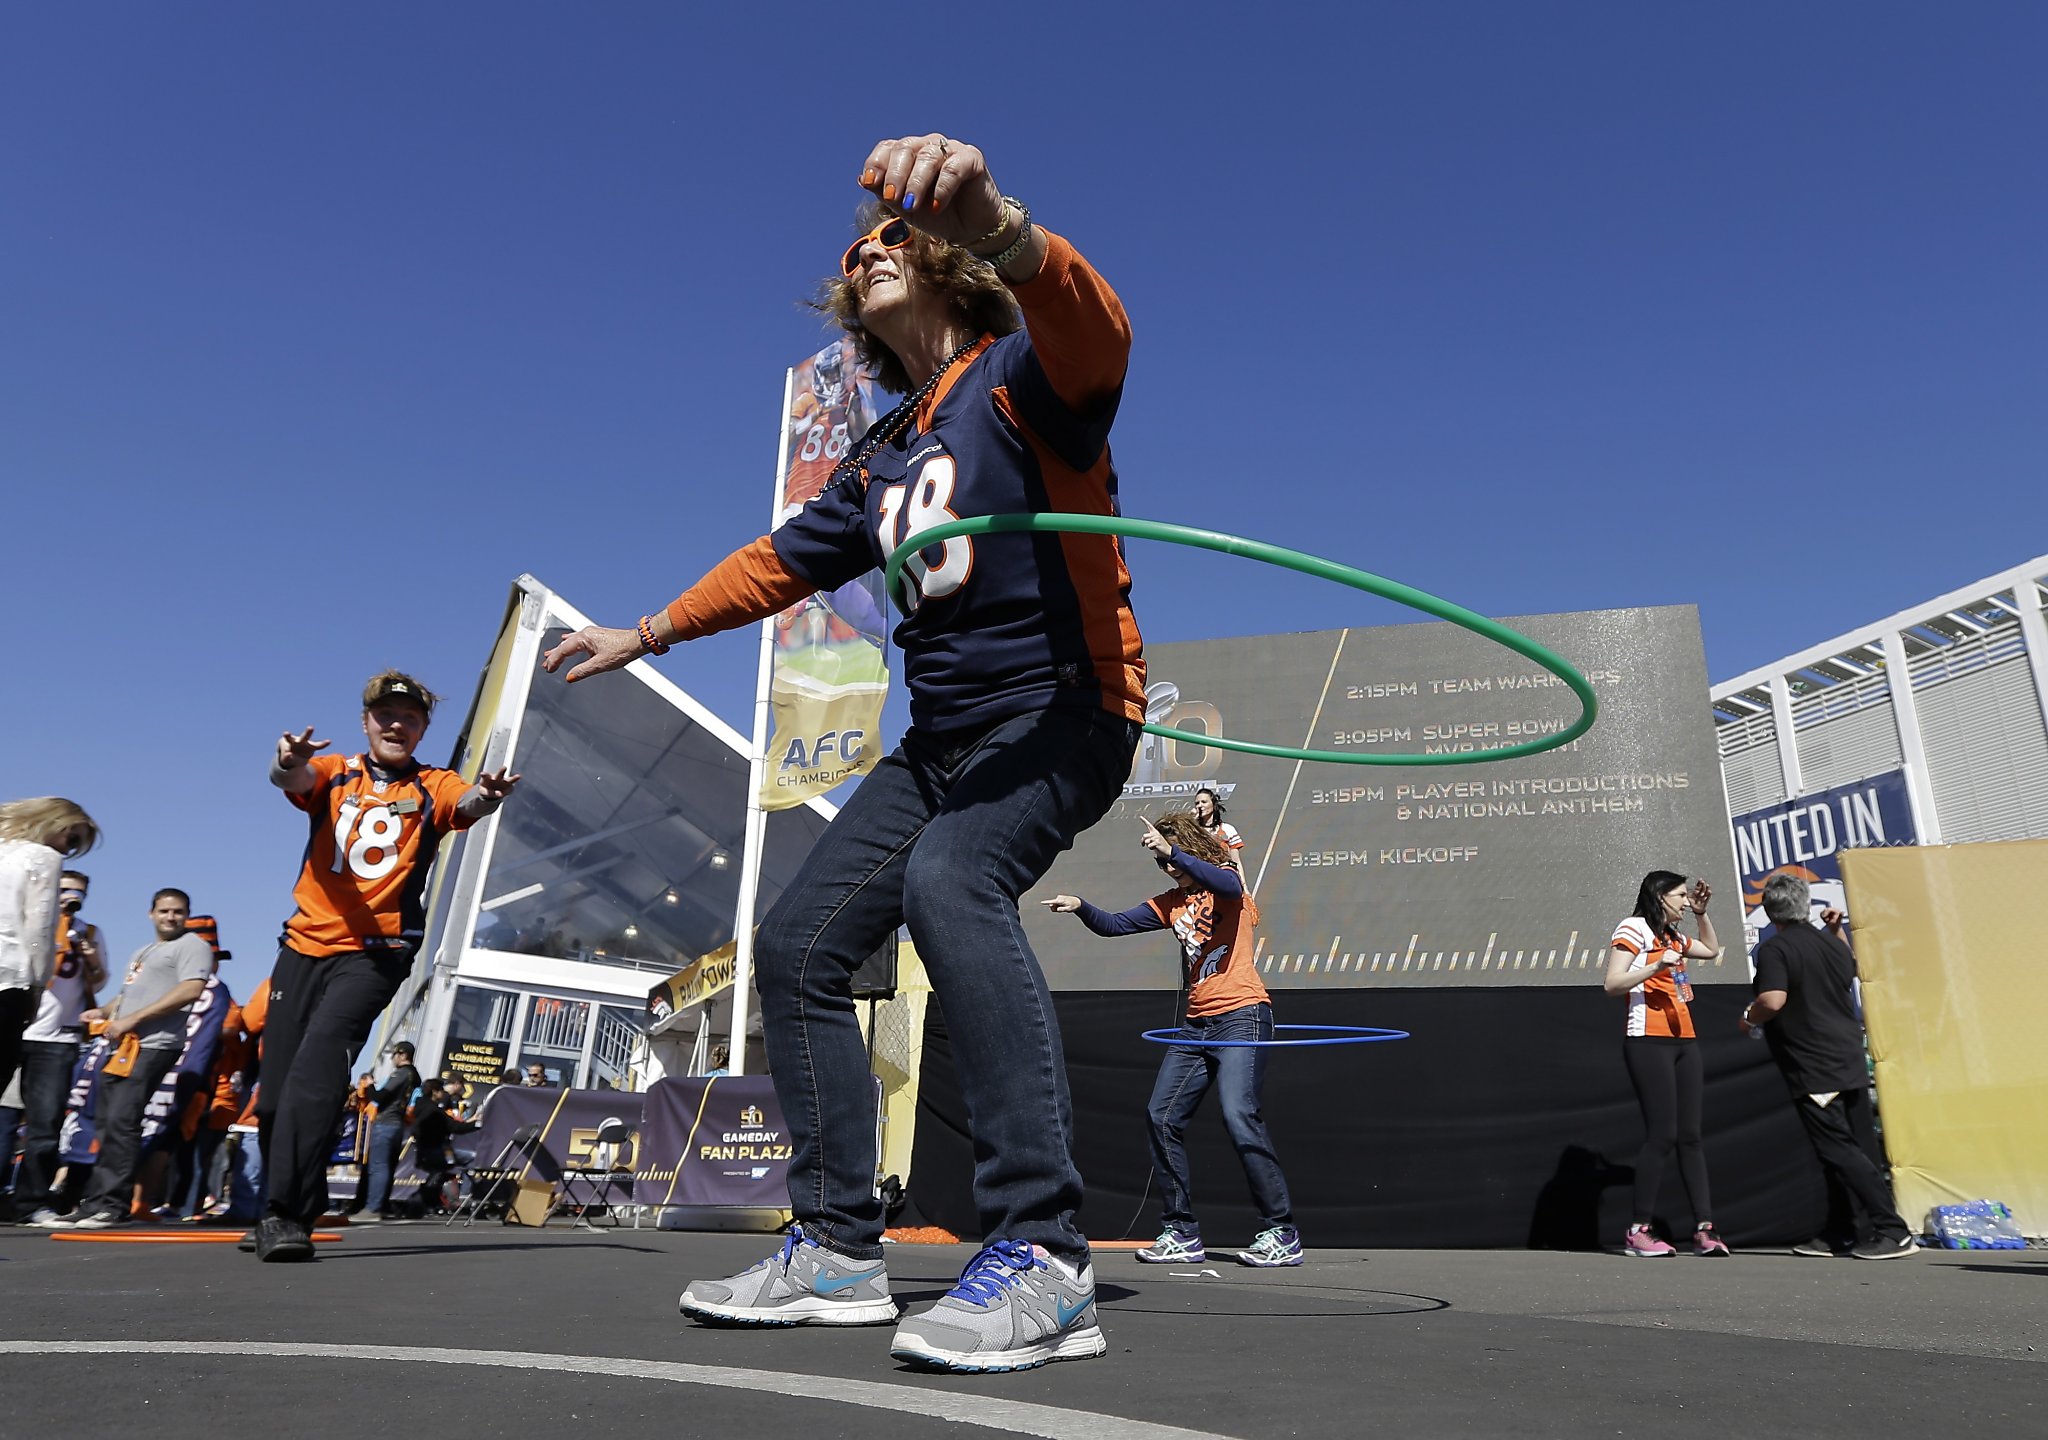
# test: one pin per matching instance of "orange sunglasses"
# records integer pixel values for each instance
(891, 234)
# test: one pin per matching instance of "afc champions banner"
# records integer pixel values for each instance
(829, 673)
(1806, 837)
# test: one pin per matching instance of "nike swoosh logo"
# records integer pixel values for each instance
(826, 1284)
(1067, 1315)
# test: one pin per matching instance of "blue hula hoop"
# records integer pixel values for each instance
(1332, 1035)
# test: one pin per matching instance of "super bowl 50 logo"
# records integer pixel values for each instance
(1164, 767)
(751, 1117)
(583, 1147)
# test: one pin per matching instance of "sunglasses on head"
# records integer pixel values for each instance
(891, 234)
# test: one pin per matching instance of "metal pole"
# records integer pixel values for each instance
(757, 818)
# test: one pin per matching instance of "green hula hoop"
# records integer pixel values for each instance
(1308, 565)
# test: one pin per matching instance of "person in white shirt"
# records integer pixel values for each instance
(49, 1047)
(36, 837)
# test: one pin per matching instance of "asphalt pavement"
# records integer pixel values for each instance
(501, 1331)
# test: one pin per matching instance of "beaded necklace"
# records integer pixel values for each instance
(892, 424)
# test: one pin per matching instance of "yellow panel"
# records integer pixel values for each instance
(1955, 986)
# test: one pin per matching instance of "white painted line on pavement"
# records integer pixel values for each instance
(1016, 1416)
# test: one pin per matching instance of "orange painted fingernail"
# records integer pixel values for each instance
(888, 192)
(867, 176)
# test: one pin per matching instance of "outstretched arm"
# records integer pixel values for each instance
(750, 584)
(1133, 921)
(289, 771)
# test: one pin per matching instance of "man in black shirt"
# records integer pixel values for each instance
(1806, 1002)
(387, 1135)
(435, 1126)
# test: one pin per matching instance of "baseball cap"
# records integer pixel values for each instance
(392, 685)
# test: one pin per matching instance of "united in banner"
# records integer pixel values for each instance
(1805, 838)
(829, 672)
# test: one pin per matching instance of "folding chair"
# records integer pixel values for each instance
(497, 1183)
(599, 1176)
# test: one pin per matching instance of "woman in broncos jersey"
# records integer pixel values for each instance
(1216, 922)
(1026, 682)
(1646, 962)
(1209, 811)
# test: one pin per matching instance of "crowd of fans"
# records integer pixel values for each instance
(130, 1096)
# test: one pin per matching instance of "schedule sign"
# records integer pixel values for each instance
(1505, 873)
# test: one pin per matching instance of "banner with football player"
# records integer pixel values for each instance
(829, 671)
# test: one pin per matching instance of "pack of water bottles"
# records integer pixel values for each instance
(1977, 1225)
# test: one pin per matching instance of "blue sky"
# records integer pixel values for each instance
(320, 324)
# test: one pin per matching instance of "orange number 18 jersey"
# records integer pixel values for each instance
(372, 840)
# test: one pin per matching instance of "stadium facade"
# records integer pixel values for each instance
(1951, 697)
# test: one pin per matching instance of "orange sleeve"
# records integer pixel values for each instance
(1078, 327)
(447, 788)
(256, 1009)
(752, 583)
(324, 766)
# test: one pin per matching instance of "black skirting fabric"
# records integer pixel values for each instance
(1506, 1121)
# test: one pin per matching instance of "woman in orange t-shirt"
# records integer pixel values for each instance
(1646, 962)
(1216, 922)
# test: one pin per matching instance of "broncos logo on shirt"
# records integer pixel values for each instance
(1218, 935)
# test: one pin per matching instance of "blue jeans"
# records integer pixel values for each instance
(386, 1139)
(943, 836)
(1238, 1073)
(245, 1179)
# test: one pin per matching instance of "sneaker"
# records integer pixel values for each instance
(803, 1283)
(368, 1217)
(1272, 1248)
(1706, 1243)
(1820, 1247)
(281, 1242)
(1882, 1249)
(1173, 1248)
(1641, 1242)
(1016, 1307)
(100, 1220)
(48, 1219)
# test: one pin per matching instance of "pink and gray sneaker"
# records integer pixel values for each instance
(1706, 1241)
(1641, 1242)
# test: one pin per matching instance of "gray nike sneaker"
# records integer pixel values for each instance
(1016, 1307)
(801, 1284)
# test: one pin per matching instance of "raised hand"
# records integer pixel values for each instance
(1701, 894)
(295, 750)
(496, 784)
(1062, 904)
(941, 186)
(1155, 842)
(608, 650)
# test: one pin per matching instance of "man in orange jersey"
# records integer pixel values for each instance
(375, 821)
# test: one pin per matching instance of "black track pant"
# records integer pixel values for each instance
(1668, 1079)
(17, 1009)
(1860, 1203)
(321, 1011)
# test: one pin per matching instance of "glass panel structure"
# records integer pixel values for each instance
(618, 861)
(624, 847)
